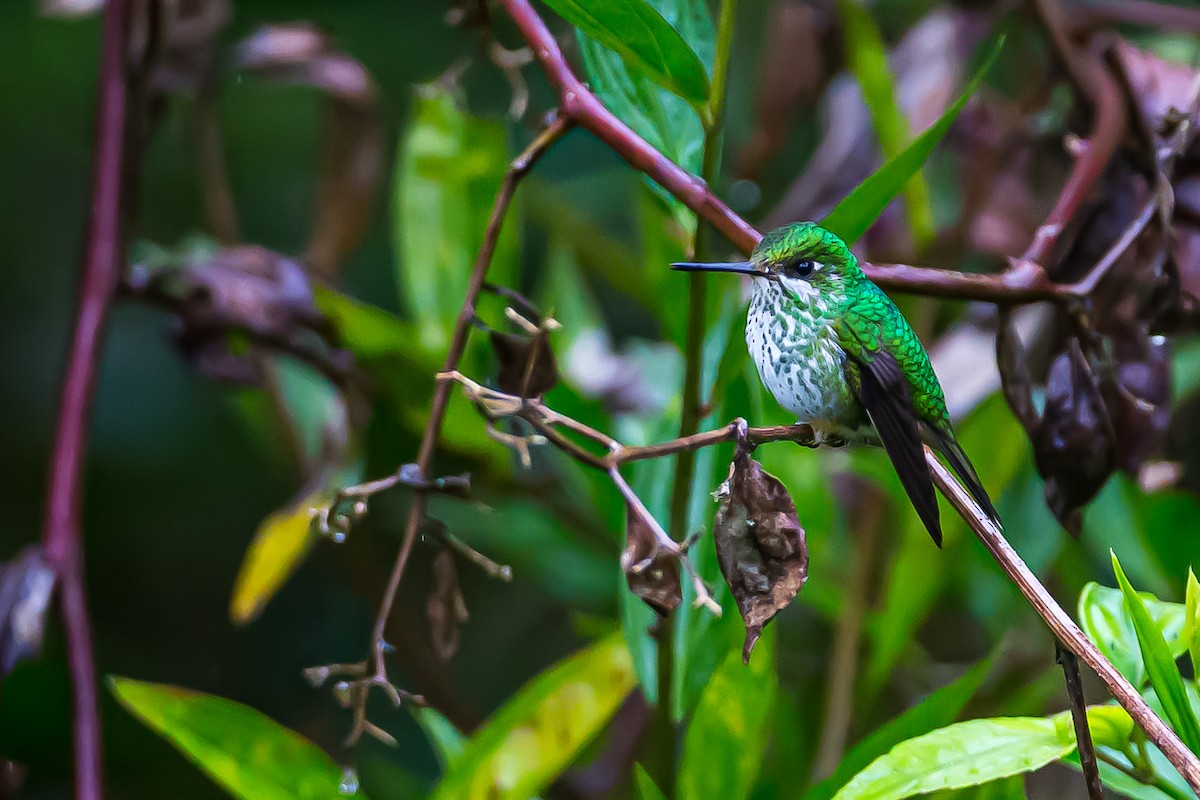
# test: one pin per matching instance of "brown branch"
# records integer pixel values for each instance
(1061, 624)
(1090, 14)
(517, 170)
(62, 527)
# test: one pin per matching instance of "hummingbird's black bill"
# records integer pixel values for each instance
(742, 267)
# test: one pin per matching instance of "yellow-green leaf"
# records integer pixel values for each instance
(647, 789)
(1111, 726)
(1160, 664)
(723, 747)
(938, 709)
(1105, 618)
(1191, 633)
(279, 545)
(250, 755)
(961, 755)
(541, 730)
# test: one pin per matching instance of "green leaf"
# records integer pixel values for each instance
(1120, 782)
(867, 59)
(247, 753)
(723, 746)
(367, 330)
(538, 732)
(1160, 664)
(855, 213)
(647, 789)
(646, 41)
(1111, 726)
(1191, 633)
(664, 120)
(1105, 618)
(449, 167)
(446, 739)
(1010, 788)
(937, 710)
(964, 754)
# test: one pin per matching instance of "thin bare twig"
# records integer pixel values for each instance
(1061, 624)
(1083, 734)
(62, 528)
(517, 170)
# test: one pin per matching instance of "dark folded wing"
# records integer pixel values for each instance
(952, 451)
(884, 393)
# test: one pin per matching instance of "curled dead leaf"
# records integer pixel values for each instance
(760, 544)
(1075, 445)
(26, 584)
(651, 574)
(445, 607)
(527, 367)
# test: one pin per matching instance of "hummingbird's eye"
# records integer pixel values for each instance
(801, 268)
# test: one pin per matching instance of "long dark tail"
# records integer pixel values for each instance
(952, 451)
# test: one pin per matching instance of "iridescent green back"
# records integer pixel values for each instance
(870, 322)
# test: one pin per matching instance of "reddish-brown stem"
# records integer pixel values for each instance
(62, 528)
(1063, 626)
(578, 103)
(1088, 70)
(441, 396)
(1178, 18)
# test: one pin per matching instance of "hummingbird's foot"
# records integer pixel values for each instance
(825, 437)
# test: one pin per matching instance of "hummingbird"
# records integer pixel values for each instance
(834, 350)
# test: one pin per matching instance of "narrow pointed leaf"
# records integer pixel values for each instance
(867, 59)
(1160, 664)
(855, 213)
(1191, 633)
(647, 42)
(540, 731)
(279, 545)
(723, 747)
(647, 789)
(937, 710)
(247, 753)
(965, 754)
(1104, 617)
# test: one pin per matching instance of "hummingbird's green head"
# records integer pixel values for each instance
(802, 257)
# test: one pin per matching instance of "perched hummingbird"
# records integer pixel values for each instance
(835, 351)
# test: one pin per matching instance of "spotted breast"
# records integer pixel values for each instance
(796, 351)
